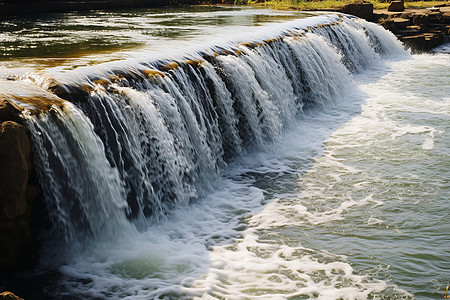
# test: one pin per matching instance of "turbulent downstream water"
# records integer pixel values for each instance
(314, 165)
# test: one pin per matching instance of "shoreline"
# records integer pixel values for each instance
(421, 30)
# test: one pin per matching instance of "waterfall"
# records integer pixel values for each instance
(134, 142)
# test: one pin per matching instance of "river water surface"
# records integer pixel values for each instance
(351, 201)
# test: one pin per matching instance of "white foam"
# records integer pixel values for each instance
(444, 48)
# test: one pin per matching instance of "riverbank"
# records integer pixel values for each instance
(421, 26)
(421, 30)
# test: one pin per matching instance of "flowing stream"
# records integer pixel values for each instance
(260, 155)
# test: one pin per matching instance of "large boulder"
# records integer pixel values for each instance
(401, 23)
(10, 111)
(396, 6)
(420, 19)
(16, 195)
(423, 42)
(362, 10)
(14, 169)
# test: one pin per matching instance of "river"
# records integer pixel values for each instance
(311, 166)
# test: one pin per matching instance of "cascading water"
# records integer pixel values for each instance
(146, 142)
(140, 145)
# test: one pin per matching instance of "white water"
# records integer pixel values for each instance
(165, 139)
(244, 183)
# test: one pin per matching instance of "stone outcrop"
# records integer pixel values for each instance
(362, 10)
(16, 194)
(18, 182)
(419, 29)
(14, 169)
(396, 6)
(9, 111)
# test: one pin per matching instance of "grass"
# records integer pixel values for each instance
(335, 4)
(422, 4)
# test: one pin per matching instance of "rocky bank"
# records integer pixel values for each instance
(419, 29)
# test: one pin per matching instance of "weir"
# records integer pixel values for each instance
(130, 143)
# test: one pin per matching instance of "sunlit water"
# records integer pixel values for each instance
(71, 40)
(352, 203)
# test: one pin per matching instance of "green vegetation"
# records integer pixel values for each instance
(334, 4)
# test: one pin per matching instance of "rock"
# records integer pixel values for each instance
(414, 39)
(389, 24)
(420, 30)
(9, 296)
(446, 18)
(396, 6)
(10, 111)
(362, 10)
(422, 42)
(14, 169)
(411, 30)
(435, 17)
(16, 198)
(406, 15)
(434, 39)
(420, 19)
(401, 23)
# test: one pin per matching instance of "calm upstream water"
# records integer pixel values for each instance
(71, 40)
(315, 166)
